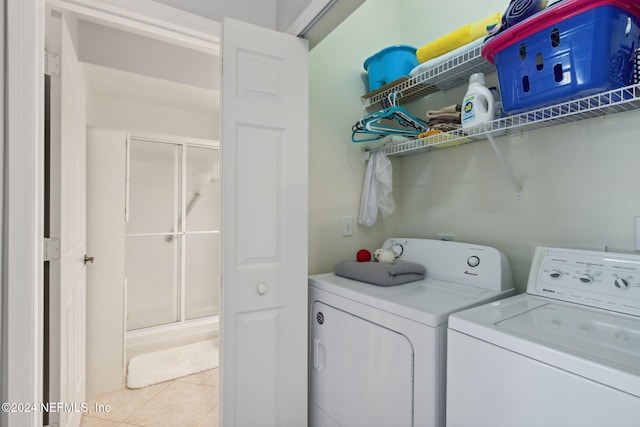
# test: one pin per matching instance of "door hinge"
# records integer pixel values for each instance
(51, 249)
(51, 64)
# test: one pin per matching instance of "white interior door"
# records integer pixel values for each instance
(264, 231)
(68, 172)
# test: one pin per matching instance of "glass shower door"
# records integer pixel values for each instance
(171, 259)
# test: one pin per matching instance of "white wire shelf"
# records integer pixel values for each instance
(605, 103)
(452, 73)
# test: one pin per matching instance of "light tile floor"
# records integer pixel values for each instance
(190, 401)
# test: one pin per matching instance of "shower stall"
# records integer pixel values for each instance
(172, 241)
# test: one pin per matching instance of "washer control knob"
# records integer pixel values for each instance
(555, 274)
(587, 279)
(473, 261)
(621, 283)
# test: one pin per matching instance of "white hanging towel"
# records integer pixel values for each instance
(376, 190)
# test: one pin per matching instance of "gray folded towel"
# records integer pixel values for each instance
(379, 273)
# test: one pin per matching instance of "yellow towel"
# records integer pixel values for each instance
(457, 38)
(440, 141)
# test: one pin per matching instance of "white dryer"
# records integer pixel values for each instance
(378, 354)
(566, 353)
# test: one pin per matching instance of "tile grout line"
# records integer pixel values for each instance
(128, 420)
(168, 384)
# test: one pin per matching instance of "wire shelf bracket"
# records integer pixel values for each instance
(505, 166)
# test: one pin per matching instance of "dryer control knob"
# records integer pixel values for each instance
(473, 261)
(621, 283)
(587, 279)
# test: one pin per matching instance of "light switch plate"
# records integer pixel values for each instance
(347, 226)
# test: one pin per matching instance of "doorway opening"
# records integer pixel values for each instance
(167, 94)
(171, 223)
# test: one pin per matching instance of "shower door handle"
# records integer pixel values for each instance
(88, 259)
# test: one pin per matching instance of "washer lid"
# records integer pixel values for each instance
(612, 338)
(594, 343)
(427, 301)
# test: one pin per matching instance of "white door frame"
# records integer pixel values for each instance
(150, 17)
(24, 209)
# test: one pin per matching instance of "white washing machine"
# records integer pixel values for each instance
(378, 354)
(566, 353)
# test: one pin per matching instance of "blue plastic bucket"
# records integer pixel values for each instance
(390, 64)
(373, 65)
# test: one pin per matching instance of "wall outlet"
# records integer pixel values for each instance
(446, 236)
(636, 234)
(347, 226)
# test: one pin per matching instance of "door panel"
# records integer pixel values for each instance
(259, 230)
(259, 379)
(264, 233)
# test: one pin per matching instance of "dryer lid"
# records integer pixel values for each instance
(427, 301)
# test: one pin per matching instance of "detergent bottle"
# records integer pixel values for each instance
(478, 105)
